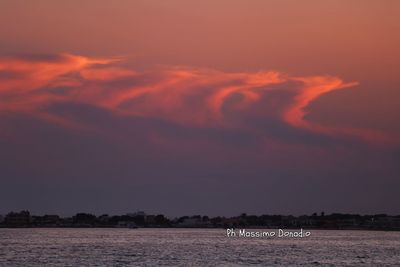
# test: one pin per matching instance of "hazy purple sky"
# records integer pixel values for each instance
(200, 107)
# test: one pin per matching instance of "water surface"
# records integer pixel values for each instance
(193, 247)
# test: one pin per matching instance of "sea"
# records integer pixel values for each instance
(194, 247)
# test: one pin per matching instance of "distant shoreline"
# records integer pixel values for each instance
(335, 221)
(206, 228)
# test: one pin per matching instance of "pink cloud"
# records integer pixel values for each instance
(187, 96)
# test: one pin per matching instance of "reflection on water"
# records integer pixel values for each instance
(188, 247)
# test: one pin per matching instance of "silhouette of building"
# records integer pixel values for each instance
(18, 219)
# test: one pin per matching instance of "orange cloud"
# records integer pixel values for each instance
(194, 96)
(313, 87)
(37, 73)
(106, 74)
(189, 96)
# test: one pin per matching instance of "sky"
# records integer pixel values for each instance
(200, 107)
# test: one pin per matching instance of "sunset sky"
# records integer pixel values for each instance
(211, 107)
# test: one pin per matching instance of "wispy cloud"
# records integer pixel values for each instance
(186, 96)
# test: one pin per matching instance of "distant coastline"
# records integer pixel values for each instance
(334, 221)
